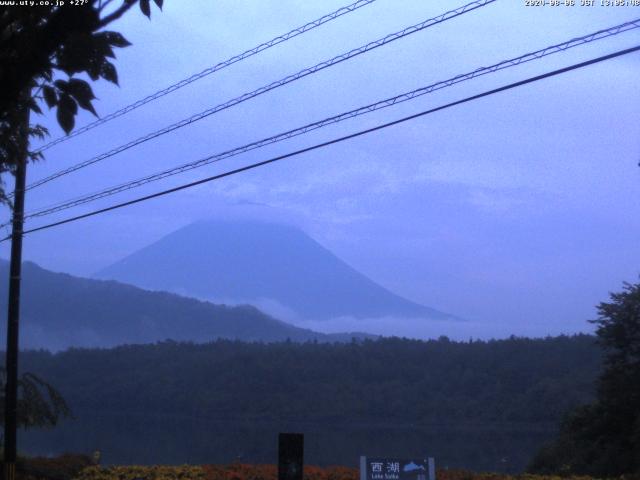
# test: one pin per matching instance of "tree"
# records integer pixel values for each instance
(43, 51)
(603, 438)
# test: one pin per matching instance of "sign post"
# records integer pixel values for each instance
(376, 468)
(290, 456)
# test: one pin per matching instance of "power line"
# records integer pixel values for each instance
(336, 140)
(561, 47)
(264, 89)
(208, 71)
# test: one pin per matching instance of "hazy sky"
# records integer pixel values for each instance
(518, 212)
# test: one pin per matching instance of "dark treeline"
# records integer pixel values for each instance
(478, 405)
(385, 381)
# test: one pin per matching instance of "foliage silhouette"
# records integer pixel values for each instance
(603, 438)
(39, 404)
(43, 51)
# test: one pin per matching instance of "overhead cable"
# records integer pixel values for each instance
(561, 47)
(335, 140)
(284, 81)
(208, 71)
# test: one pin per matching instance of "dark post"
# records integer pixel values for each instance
(13, 317)
(290, 456)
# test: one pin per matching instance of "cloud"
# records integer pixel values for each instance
(495, 201)
(428, 328)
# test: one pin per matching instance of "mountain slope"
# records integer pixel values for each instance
(251, 261)
(60, 311)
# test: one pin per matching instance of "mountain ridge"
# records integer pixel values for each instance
(59, 311)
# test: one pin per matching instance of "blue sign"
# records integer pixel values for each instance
(397, 469)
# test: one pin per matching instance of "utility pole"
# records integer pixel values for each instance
(13, 317)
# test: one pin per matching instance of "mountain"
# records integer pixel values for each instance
(60, 311)
(243, 261)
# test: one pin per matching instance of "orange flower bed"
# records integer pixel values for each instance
(71, 467)
(239, 471)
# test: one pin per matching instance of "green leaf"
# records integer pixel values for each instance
(158, 3)
(98, 46)
(34, 107)
(68, 103)
(78, 55)
(87, 53)
(66, 119)
(93, 70)
(67, 109)
(145, 8)
(108, 51)
(50, 96)
(116, 39)
(38, 131)
(108, 72)
(87, 105)
(82, 93)
(35, 156)
(80, 89)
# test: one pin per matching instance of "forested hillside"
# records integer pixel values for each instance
(509, 387)
(390, 380)
(61, 311)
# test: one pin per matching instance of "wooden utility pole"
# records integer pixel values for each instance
(13, 317)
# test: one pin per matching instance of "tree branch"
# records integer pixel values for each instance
(117, 13)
